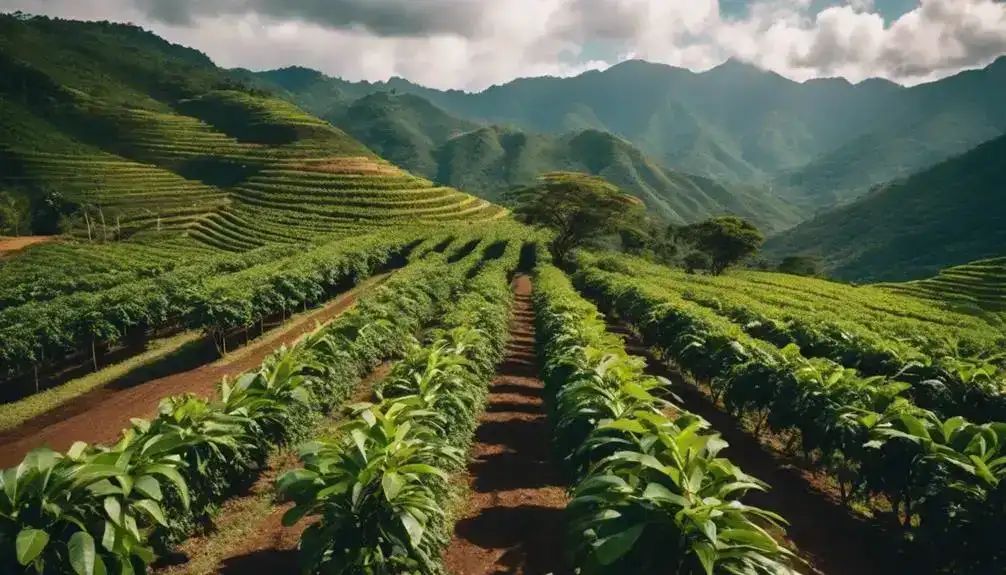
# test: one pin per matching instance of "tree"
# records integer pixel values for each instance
(49, 212)
(697, 260)
(12, 213)
(810, 266)
(726, 239)
(578, 207)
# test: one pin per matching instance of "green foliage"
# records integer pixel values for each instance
(696, 261)
(168, 475)
(864, 430)
(577, 207)
(913, 228)
(380, 489)
(202, 296)
(13, 213)
(808, 266)
(979, 285)
(651, 493)
(727, 240)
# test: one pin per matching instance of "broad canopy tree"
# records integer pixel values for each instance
(727, 240)
(578, 207)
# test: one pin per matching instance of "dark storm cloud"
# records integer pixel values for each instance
(389, 18)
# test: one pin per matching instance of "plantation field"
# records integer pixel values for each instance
(851, 379)
(898, 400)
(978, 285)
(464, 404)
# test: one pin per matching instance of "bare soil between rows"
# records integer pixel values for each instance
(829, 537)
(512, 522)
(9, 246)
(100, 415)
(268, 547)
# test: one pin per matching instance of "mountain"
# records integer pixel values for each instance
(404, 129)
(912, 228)
(932, 123)
(103, 123)
(815, 142)
(486, 160)
(491, 158)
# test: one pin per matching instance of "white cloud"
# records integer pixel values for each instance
(474, 43)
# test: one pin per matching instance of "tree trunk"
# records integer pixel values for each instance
(87, 222)
(36, 377)
(94, 354)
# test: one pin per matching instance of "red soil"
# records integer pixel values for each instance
(11, 245)
(99, 416)
(513, 520)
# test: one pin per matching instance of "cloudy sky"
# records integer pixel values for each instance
(471, 44)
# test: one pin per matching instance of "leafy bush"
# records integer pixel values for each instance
(943, 477)
(53, 508)
(381, 488)
(651, 493)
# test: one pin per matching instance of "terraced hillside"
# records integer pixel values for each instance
(167, 142)
(980, 284)
(179, 199)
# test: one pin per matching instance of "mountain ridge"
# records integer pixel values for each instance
(488, 159)
(735, 121)
(912, 228)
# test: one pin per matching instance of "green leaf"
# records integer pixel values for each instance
(82, 553)
(150, 487)
(295, 514)
(613, 548)
(76, 450)
(915, 426)
(176, 478)
(422, 469)
(707, 556)
(983, 471)
(30, 544)
(108, 537)
(99, 566)
(114, 510)
(392, 484)
(413, 527)
(152, 509)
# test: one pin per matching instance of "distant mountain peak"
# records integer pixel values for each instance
(734, 65)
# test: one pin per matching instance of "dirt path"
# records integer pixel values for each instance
(513, 521)
(828, 536)
(250, 537)
(99, 416)
(10, 245)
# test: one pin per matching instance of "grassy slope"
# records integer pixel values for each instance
(487, 158)
(426, 139)
(980, 284)
(159, 137)
(911, 229)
